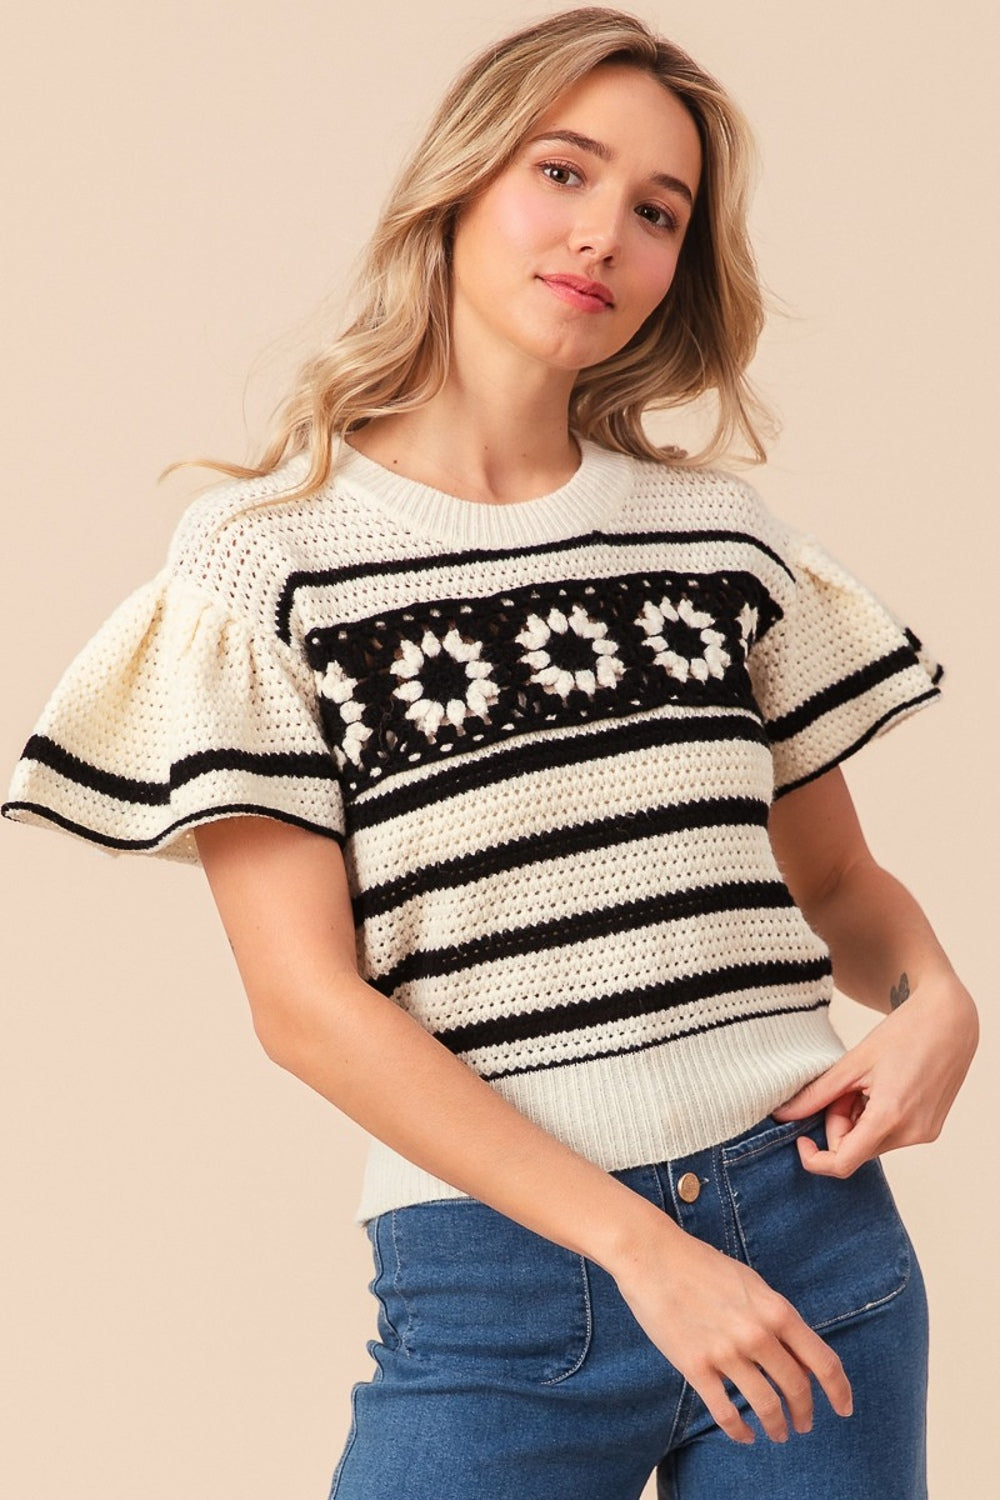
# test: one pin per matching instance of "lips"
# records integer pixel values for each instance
(585, 288)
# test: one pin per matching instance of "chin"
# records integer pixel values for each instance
(570, 354)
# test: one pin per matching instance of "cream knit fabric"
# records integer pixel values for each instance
(546, 736)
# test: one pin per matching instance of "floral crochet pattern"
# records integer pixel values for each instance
(683, 640)
(448, 675)
(562, 649)
(443, 679)
(338, 691)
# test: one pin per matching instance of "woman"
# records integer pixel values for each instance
(510, 744)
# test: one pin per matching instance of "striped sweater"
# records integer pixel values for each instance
(546, 736)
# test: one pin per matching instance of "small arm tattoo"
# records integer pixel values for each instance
(899, 992)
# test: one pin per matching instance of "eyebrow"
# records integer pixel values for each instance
(598, 148)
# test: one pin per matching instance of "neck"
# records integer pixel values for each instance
(496, 432)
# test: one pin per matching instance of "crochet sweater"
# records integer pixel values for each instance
(546, 736)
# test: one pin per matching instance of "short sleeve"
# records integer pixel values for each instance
(837, 669)
(176, 712)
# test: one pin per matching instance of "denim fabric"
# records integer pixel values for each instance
(510, 1368)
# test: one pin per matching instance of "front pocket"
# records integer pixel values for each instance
(836, 1248)
(475, 1290)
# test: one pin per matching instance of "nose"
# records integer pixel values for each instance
(598, 234)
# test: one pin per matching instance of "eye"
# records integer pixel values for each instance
(551, 167)
(660, 218)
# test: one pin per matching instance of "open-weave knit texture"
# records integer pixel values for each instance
(546, 736)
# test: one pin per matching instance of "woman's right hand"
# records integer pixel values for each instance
(715, 1319)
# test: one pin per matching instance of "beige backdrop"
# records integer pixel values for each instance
(184, 1291)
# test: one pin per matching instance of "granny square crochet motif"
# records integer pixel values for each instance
(546, 736)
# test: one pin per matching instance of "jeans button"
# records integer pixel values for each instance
(689, 1187)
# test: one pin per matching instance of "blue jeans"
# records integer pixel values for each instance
(510, 1368)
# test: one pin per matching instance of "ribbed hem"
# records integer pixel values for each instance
(645, 1106)
(599, 487)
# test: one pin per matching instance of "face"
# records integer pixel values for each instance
(564, 256)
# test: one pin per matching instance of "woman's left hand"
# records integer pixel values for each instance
(895, 1087)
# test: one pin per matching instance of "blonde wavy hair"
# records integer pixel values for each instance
(394, 356)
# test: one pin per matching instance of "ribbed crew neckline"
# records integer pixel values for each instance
(599, 485)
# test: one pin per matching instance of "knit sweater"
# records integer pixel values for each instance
(546, 736)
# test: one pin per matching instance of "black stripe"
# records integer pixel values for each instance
(556, 843)
(222, 810)
(527, 755)
(918, 646)
(384, 568)
(839, 693)
(675, 1036)
(582, 1015)
(558, 932)
(46, 752)
(869, 734)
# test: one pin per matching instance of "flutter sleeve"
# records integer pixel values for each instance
(175, 713)
(837, 669)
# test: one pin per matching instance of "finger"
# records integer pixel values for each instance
(793, 1383)
(722, 1411)
(840, 1079)
(814, 1354)
(842, 1116)
(859, 1145)
(762, 1396)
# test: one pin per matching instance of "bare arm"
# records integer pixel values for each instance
(874, 928)
(283, 897)
(896, 1087)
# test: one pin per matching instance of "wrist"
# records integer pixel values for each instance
(622, 1243)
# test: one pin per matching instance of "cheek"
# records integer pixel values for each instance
(655, 271)
(517, 219)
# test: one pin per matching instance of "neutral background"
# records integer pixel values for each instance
(188, 185)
